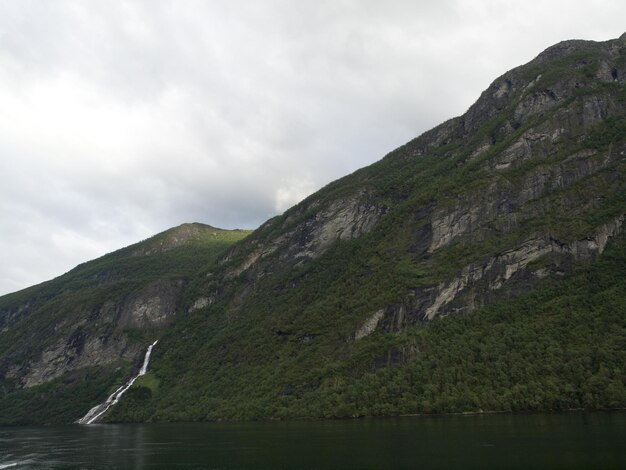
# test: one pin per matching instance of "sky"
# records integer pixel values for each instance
(120, 119)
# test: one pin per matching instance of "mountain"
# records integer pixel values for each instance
(481, 266)
(63, 343)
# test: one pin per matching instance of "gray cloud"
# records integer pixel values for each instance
(119, 119)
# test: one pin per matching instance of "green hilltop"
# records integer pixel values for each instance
(88, 311)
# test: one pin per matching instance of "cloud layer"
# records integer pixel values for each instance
(120, 119)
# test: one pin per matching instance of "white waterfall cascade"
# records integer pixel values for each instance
(98, 410)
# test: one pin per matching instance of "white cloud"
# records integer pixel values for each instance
(119, 119)
(292, 191)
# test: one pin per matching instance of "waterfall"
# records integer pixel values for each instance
(98, 410)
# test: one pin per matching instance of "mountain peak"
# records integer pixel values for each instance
(181, 235)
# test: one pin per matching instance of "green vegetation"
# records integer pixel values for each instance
(76, 301)
(560, 346)
(580, 64)
(612, 131)
(285, 347)
(61, 400)
(277, 339)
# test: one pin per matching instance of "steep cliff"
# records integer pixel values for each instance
(466, 270)
(341, 293)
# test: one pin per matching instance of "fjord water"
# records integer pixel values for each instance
(555, 441)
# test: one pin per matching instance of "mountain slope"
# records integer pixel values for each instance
(71, 338)
(479, 266)
(559, 346)
(324, 302)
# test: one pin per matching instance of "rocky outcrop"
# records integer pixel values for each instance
(343, 219)
(96, 337)
(477, 283)
(201, 303)
(505, 203)
(521, 97)
(370, 324)
(568, 124)
(76, 352)
(152, 306)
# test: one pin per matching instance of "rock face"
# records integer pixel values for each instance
(104, 313)
(475, 284)
(370, 324)
(538, 159)
(152, 306)
(76, 352)
(307, 233)
(83, 344)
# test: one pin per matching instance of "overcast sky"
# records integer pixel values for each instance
(120, 119)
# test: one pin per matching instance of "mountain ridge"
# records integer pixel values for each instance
(345, 304)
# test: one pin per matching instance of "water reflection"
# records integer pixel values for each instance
(572, 441)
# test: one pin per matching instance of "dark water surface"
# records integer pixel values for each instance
(558, 441)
